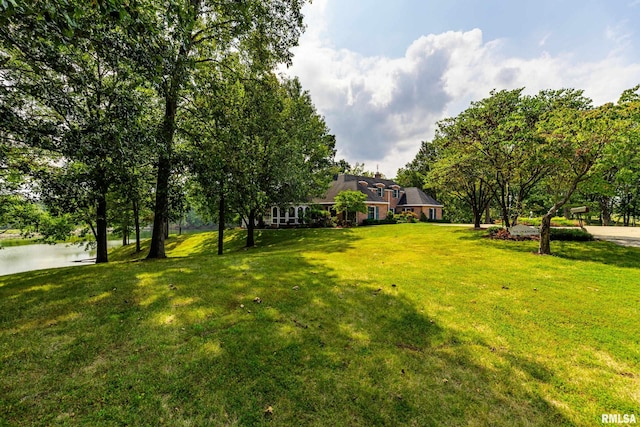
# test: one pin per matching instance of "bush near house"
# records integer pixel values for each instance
(407, 216)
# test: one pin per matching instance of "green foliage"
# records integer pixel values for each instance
(567, 234)
(350, 202)
(556, 221)
(494, 229)
(315, 216)
(407, 216)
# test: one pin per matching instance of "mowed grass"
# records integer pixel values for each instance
(409, 324)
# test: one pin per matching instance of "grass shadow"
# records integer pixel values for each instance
(598, 251)
(255, 338)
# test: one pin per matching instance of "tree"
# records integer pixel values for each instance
(65, 74)
(350, 201)
(459, 168)
(577, 138)
(286, 153)
(188, 33)
(258, 142)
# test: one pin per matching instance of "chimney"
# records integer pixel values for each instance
(377, 175)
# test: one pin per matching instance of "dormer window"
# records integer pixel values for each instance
(396, 193)
(380, 191)
(365, 183)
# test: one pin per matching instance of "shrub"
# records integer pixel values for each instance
(556, 221)
(407, 216)
(570, 234)
(423, 217)
(493, 230)
(502, 234)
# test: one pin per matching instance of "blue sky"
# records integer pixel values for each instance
(384, 72)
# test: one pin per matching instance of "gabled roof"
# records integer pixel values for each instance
(351, 182)
(413, 196)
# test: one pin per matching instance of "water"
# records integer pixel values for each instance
(16, 259)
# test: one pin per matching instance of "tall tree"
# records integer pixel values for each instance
(187, 33)
(287, 152)
(63, 69)
(415, 173)
(460, 169)
(578, 138)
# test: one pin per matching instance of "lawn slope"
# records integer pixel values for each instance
(409, 324)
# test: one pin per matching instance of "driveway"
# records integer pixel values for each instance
(625, 236)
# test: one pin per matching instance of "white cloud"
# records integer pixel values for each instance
(382, 108)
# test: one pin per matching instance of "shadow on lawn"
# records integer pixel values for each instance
(183, 342)
(326, 240)
(596, 251)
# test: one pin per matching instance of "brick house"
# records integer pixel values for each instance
(383, 195)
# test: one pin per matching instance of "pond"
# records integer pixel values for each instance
(16, 259)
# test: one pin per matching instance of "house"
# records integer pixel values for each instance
(383, 195)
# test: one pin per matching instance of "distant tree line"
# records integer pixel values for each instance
(118, 114)
(517, 154)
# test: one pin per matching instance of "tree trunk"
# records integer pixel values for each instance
(477, 217)
(545, 234)
(101, 229)
(160, 215)
(221, 220)
(503, 200)
(161, 210)
(250, 228)
(136, 219)
(605, 212)
(487, 215)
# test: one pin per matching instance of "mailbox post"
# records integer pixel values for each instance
(579, 211)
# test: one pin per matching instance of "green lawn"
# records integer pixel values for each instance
(409, 324)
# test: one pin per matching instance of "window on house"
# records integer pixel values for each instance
(300, 214)
(371, 212)
(292, 212)
(432, 213)
(274, 215)
(396, 194)
(380, 191)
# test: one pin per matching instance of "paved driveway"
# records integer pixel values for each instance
(625, 236)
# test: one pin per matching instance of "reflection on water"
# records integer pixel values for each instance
(16, 259)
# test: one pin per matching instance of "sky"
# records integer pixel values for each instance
(382, 73)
